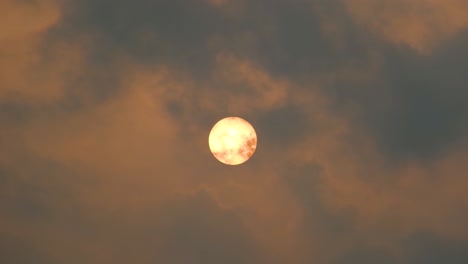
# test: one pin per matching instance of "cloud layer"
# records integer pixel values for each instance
(359, 108)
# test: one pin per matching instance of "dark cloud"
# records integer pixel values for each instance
(154, 32)
(319, 224)
(413, 103)
(11, 113)
(306, 184)
(421, 246)
(368, 256)
(427, 247)
(14, 249)
(196, 230)
(283, 126)
(189, 229)
(297, 43)
(40, 193)
(419, 30)
(425, 114)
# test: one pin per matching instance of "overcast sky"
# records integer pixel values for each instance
(360, 108)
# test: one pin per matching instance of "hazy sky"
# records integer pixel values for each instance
(360, 108)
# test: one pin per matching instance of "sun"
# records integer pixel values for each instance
(232, 140)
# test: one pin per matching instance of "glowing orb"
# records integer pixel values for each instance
(232, 140)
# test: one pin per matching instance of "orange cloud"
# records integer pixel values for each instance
(243, 87)
(419, 24)
(31, 67)
(21, 19)
(133, 153)
(135, 166)
(397, 200)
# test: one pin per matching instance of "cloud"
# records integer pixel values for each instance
(245, 87)
(28, 57)
(413, 104)
(421, 25)
(422, 246)
(361, 142)
(197, 231)
(23, 19)
(427, 247)
(16, 250)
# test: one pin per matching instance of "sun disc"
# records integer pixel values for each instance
(232, 140)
